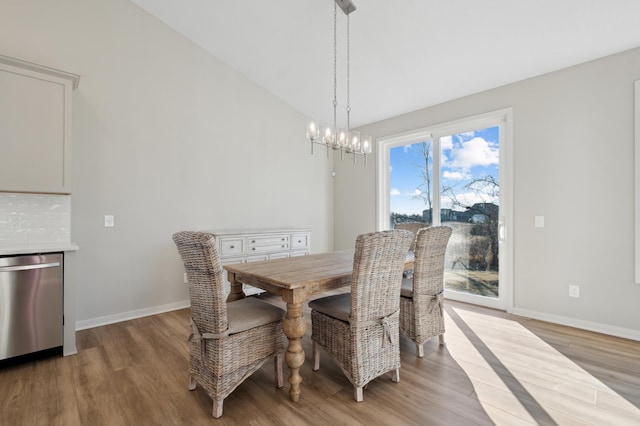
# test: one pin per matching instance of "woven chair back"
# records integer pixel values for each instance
(377, 274)
(413, 227)
(428, 266)
(206, 284)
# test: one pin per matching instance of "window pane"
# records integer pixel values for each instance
(410, 183)
(469, 201)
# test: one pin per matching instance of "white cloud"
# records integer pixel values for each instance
(417, 193)
(444, 161)
(407, 148)
(394, 192)
(476, 152)
(445, 203)
(446, 142)
(461, 136)
(454, 175)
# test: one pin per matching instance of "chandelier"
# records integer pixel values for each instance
(346, 141)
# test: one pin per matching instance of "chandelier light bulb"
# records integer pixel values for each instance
(312, 131)
(342, 138)
(355, 141)
(366, 145)
(328, 137)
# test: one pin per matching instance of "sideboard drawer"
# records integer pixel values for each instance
(299, 241)
(268, 240)
(231, 247)
(268, 248)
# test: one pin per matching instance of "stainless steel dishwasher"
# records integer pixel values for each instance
(30, 304)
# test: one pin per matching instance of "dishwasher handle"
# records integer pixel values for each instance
(29, 267)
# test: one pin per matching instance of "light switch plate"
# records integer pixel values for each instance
(539, 221)
(574, 291)
(109, 220)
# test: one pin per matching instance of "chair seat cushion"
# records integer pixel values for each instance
(248, 313)
(407, 287)
(338, 306)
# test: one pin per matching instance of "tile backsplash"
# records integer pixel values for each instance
(34, 218)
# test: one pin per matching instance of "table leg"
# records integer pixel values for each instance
(236, 292)
(294, 328)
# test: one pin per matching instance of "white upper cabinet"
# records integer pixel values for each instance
(35, 127)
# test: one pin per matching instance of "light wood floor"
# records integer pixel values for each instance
(495, 369)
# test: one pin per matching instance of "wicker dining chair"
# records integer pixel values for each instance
(229, 341)
(421, 297)
(359, 330)
(413, 227)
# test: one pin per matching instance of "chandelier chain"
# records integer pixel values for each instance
(335, 66)
(348, 75)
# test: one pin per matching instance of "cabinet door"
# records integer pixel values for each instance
(300, 241)
(35, 130)
(281, 255)
(231, 246)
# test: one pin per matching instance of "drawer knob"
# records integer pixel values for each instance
(299, 241)
(253, 241)
(253, 248)
(232, 246)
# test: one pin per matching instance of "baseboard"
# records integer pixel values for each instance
(125, 316)
(67, 352)
(626, 333)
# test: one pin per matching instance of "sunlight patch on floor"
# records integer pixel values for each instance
(520, 379)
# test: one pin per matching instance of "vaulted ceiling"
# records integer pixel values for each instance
(405, 55)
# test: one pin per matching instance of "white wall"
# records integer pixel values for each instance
(573, 163)
(166, 138)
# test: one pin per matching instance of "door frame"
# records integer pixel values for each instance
(502, 118)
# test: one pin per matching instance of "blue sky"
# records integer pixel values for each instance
(464, 157)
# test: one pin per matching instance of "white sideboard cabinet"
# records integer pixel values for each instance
(252, 245)
(35, 127)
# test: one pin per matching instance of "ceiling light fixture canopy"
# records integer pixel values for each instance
(343, 140)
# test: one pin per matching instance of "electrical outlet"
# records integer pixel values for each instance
(574, 291)
(109, 220)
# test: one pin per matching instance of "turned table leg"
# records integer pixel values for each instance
(236, 292)
(294, 328)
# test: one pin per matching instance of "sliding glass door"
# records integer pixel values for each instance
(453, 175)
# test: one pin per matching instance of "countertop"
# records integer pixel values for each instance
(284, 229)
(27, 248)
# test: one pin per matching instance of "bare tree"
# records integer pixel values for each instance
(486, 188)
(426, 170)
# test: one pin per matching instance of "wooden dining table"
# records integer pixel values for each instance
(295, 279)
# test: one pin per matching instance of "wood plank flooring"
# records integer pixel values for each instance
(496, 369)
